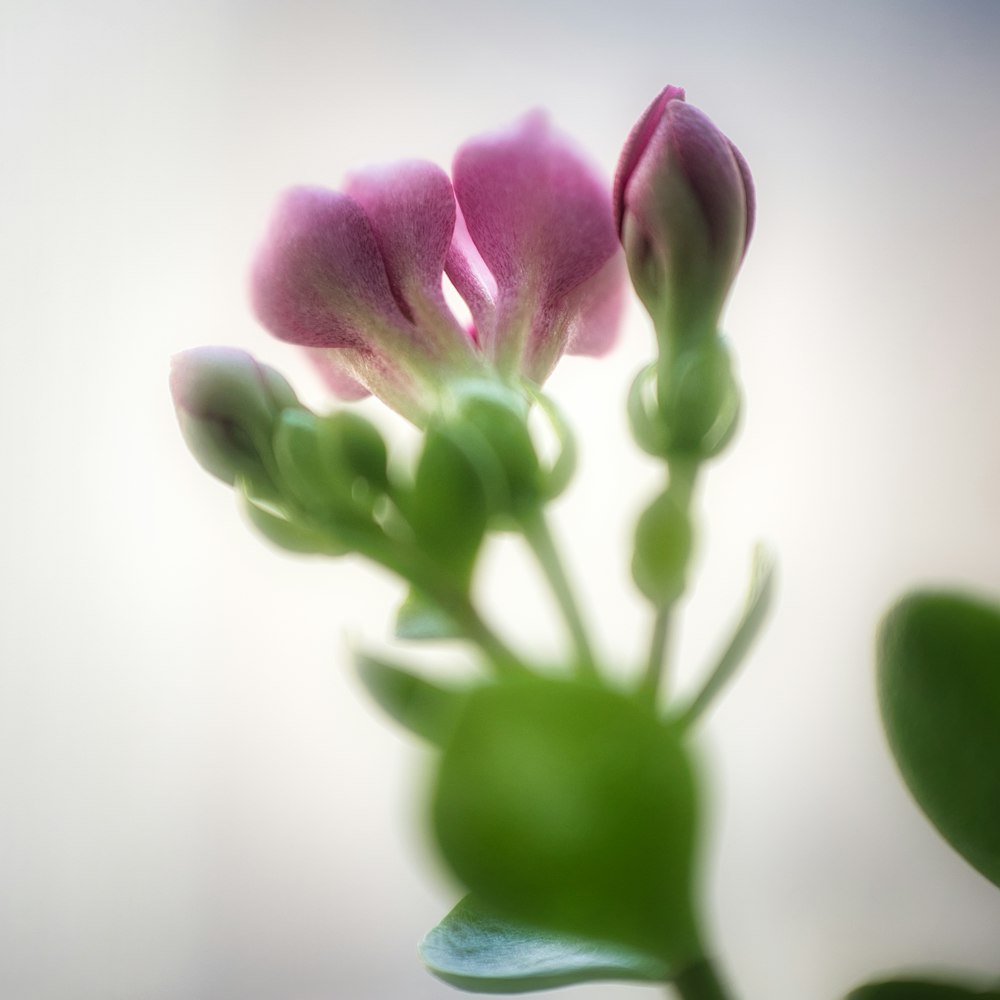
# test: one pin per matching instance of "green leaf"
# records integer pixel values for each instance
(572, 807)
(477, 950)
(913, 989)
(428, 710)
(419, 618)
(939, 692)
(755, 611)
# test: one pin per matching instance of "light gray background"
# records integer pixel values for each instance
(196, 802)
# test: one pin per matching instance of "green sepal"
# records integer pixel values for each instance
(300, 468)
(569, 806)
(556, 476)
(353, 445)
(648, 428)
(335, 464)
(663, 542)
(288, 535)
(702, 405)
(755, 611)
(938, 676)
(428, 710)
(477, 950)
(420, 618)
(915, 989)
(447, 507)
(498, 414)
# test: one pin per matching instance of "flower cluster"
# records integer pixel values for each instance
(523, 230)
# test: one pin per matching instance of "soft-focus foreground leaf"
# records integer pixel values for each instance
(754, 614)
(912, 989)
(482, 952)
(428, 710)
(420, 618)
(939, 691)
(572, 807)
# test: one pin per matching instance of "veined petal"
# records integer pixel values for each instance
(330, 366)
(541, 219)
(598, 309)
(319, 279)
(472, 279)
(636, 143)
(411, 208)
(353, 373)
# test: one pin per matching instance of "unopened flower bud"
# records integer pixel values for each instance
(227, 405)
(684, 203)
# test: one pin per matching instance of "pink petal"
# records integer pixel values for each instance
(599, 311)
(319, 279)
(636, 143)
(541, 220)
(707, 160)
(411, 207)
(472, 279)
(331, 367)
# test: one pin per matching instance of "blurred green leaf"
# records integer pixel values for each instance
(939, 692)
(420, 618)
(572, 807)
(428, 710)
(754, 615)
(477, 950)
(912, 989)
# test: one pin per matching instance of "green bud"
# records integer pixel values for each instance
(663, 542)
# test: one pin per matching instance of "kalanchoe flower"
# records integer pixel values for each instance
(525, 235)
(227, 404)
(684, 205)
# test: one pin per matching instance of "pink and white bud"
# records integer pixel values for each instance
(684, 205)
(227, 404)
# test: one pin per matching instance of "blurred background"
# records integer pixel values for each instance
(196, 800)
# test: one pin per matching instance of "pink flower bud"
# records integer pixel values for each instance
(684, 204)
(227, 404)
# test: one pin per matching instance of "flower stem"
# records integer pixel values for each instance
(656, 660)
(701, 982)
(539, 537)
(455, 602)
(683, 473)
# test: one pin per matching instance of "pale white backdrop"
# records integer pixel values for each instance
(196, 801)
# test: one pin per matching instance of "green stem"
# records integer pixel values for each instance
(455, 602)
(683, 472)
(701, 982)
(539, 537)
(656, 659)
